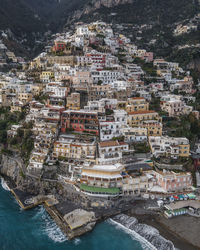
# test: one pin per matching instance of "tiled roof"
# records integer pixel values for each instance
(142, 112)
(109, 144)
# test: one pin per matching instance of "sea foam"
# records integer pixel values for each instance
(145, 244)
(148, 235)
(4, 185)
(77, 241)
(50, 228)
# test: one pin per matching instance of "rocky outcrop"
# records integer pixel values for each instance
(79, 218)
(95, 5)
(80, 222)
(195, 64)
(110, 3)
(12, 167)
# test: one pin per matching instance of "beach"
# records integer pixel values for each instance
(183, 230)
(183, 237)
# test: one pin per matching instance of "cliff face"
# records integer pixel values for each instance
(94, 5)
(110, 3)
(195, 64)
(12, 167)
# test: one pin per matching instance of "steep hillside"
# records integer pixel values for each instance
(18, 16)
(149, 23)
(26, 21)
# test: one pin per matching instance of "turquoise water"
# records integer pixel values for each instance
(34, 229)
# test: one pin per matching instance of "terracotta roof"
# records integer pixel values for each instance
(123, 143)
(137, 98)
(142, 112)
(109, 144)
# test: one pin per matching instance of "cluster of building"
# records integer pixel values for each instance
(90, 108)
(189, 26)
(8, 57)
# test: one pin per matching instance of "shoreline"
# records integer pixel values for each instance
(167, 232)
(149, 219)
(137, 236)
(57, 212)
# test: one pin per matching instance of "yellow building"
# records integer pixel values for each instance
(136, 118)
(67, 60)
(25, 97)
(36, 89)
(46, 76)
(121, 105)
(173, 147)
(16, 107)
(73, 101)
(137, 104)
(74, 149)
(105, 176)
(154, 128)
(184, 150)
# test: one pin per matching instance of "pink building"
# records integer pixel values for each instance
(147, 57)
(82, 78)
(98, 59)
(171, 181)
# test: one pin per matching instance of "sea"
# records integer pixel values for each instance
(34, 229)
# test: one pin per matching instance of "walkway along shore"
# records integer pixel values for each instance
(56, 212)
(58, 216)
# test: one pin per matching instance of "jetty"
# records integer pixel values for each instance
(72, 219)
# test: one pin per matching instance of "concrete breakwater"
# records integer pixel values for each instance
(70, 218)
(27, 202)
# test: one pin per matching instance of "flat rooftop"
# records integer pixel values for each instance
(182, 204)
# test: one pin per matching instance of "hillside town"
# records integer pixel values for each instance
(106, 118)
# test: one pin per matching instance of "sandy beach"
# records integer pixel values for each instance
(183, 231)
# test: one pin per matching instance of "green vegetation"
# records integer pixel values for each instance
(8, 119)
(99, 82)
(120, 138)
(69, 130)
(109, 111)
(159, 18)
(185, 126)
(22, 142)
(41, 98)
(141, 147)
(148, 68)
(155, 103)
(22, 174)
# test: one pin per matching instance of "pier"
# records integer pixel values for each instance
(60, 210)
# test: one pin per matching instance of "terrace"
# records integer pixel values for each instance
(99, 190)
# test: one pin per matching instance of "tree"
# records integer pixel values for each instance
(3, 137)
(20, 132)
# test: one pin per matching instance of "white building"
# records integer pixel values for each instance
(56, 89)
(120, 85)
(134, 134)
(110, 152)
(105, 76)
(82, 30)
(169, 146)
(108, 130)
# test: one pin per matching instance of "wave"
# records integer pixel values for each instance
(77, 241)
(49, 227)
(148, 235)
(4, 185)
(145, 244)
(41, 213)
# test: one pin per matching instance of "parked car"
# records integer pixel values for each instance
(181, 197)
(176, 198)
